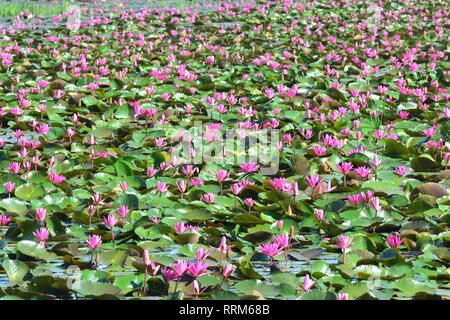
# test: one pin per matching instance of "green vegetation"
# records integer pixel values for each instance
(36, 8)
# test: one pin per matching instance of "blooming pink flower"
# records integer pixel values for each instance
(209, 198)
(344, 242)
(198, 269)
(43, 128)
(222, 175)
(249, 167)
(14, 167)
(319, 150)
(94, 241)
(401, 171)
(236, 188)
(4, 220)
(394, 240)
(364, 172)
(55, 177)
(308, 284)
(189, 170)
(180, 227)
(271, 249)
(180, 268)
(228, 270)
(151, 172)
(169, 274)
(345, 167)
(9, 186)
(41, 214)
(314, 181)
(202, 253)
(282, 240)
(403, 114)
(110, 220)
(375, 203)
(123, 211)
(42, 235)
(196, 182)
(97, 198)
(162, 187)
(376, 162)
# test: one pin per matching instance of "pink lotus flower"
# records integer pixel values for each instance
(236, 188)
(209, 198)
(223, 247)
(279, 225)
(401, 171)
(151, 172)
(319, 150)
(319, 214)
(271, 249)
(94, 241)
(376, 162)
(345, 167)
(314, 181)
(42, 235)
(308, 284)
(9, 186)
(249, 202)
(249, 167)
(430, 132)
(41, 214)
(202, 254)
(180, 227)
(222, 175)
(282, 240)
(403, 115)
(124, 186)
(4, 220)
(342, 296)
(355, 198)
(58, 94)
(56, 178)
(394, 240)
(198, 269)
(189, 170)
(43, 128)
(364, 172)
(155, 220)
(14, 167)
(196, 182)
(181, 185)
(162, 187)
(168, 274)
(228, 270)
(344, 242)
(97, 198)
(375, 203)
(110, 220)
(180, 268)
(123, 211)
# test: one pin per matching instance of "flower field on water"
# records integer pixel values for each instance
(233, 150)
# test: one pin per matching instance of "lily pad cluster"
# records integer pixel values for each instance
(94, 203)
